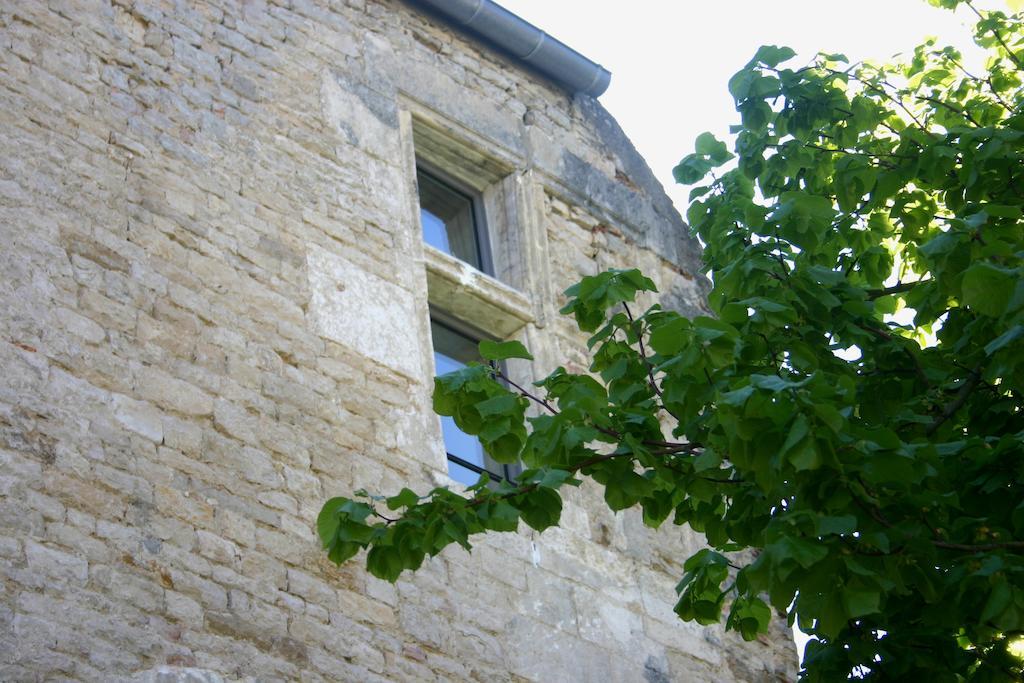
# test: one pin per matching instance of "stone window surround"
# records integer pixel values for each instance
(496, 306)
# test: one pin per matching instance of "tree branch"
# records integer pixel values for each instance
(526, 394)
(961, 397)
(839, 150)
(643, 351)
(879, 517)
(961, 112)
(1016, 60)
(526, 488)
(979, 548)
(881, 334)
(898, 288)
(885, 93)
(595, 460)
(988, 81)
(995, 93)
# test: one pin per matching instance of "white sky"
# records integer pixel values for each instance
(671, 59)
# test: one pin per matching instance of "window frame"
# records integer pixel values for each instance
(484, 250)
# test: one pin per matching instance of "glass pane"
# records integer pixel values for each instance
(455, 350)
(447, 218)
(461, 474)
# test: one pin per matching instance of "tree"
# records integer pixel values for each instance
(874, 467)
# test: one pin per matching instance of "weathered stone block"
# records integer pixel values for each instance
(342, 294)
(56, 564)
(174, 394)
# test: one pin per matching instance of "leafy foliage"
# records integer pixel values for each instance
(875, 469)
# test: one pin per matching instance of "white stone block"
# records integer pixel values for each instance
(368, 314)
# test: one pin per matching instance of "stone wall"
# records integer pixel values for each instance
(214, 316)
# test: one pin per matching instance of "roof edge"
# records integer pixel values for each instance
(524, 41)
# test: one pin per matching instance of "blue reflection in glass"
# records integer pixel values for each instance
(434, 231)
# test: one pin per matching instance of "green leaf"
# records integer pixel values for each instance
(987, 288)
(804, 553)
(860, 602)
(340, 552)
(502, 517)
(749, 616)
(554, 478)
(771, 55)
(709, 146)
(498, 405)
(499, 351)
(691, 169)
(704, 557)
(405, 498)
(798, 430)
(670, 337)
(998, 601)
(1005, 339)
(328, 520)
(805, 456)
(737, 397)
(384, 562)
(841, 525)
(619, 495)
(708, 459)
(776, 383)
(541, 508)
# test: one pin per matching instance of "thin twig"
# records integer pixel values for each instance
(898, 288)
(643, 351)
(978, 548)
(594, 460)
(988, 80)
(995, 93)
(879, 517)
(722, 481)
(526, 394)
(881, 334)
(961, 397)
(886, 94)
(962, 112)
(850, 152)
(999, 37)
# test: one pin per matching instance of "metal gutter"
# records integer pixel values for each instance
(524, 41)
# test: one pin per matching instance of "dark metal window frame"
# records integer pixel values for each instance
(459, 327)
(483, 243)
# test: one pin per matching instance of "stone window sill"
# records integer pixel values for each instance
(464, 292)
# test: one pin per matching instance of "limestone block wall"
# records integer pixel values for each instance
(214, 316)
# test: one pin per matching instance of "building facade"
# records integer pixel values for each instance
(218, 309)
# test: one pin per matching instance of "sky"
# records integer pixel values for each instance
(671, 59)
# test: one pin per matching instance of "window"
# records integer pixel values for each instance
(452, 220)
(466, 457)
(471, 217)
